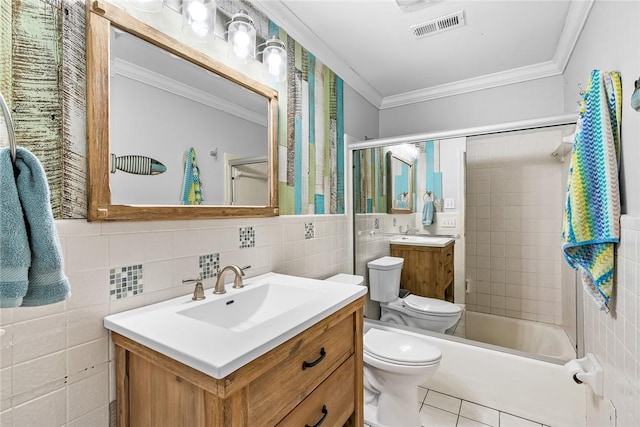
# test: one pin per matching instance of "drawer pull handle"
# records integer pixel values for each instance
(325, 412)
(306, 364)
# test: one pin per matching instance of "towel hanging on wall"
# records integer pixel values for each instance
(191, 187)
(591, 221)
(30, 256)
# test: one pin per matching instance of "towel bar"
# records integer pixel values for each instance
(9, 124)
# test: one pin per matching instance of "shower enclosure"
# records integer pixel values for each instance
(502, 196)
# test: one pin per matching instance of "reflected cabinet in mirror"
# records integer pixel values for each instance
(172, 133)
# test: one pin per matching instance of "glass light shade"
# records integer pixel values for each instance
(274, 59)
(241, 37)
(149, 6)
(198, 18)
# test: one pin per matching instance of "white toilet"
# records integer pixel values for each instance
(395, 364)
(416, 311)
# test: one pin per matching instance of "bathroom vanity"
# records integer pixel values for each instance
(301, 376)
(428, 265)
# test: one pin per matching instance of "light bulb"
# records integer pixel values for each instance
(241, 43)
(275, 62)
(198, 19)
(197, 11)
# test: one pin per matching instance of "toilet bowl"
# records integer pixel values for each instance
(395, 364)
(421, 312)
(413, 310)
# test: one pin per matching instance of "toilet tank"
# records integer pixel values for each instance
(384, 278)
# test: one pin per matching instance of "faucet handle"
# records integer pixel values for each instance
(198, 292)
(246, 267)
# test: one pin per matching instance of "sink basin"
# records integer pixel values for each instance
(224, 332)
(437, 242)
(251, 308)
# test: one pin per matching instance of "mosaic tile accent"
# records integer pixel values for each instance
(125, 281)
(247, 237)
(209, 265)
(309, 230)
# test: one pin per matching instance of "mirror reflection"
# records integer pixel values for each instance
(400, 183)
(181, 134)
(173, 133)
(497, 203)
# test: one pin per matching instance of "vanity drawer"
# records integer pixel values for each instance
(279, 390)
(332, 400)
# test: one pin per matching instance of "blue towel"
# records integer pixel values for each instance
(427, 212)
(15, 256)
(28, 208)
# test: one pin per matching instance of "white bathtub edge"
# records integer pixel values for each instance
(522, 386)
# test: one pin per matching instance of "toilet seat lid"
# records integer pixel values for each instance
(399, 348)
(431, 305)
(386, 263)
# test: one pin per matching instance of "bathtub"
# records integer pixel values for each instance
(535, 389)
(523, 335)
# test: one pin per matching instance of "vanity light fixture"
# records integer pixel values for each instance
(198, 18)
(241, 37)
(274, 59)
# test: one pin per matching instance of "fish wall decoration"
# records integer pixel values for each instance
(139, 165)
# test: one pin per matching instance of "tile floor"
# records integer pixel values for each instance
(441, 410)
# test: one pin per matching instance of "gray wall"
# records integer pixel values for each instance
(521, 101)
(360, 116)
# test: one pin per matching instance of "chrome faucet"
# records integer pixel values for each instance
(237, 281)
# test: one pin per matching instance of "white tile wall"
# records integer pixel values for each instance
(513, 223)
(56, 366)
(615, 337)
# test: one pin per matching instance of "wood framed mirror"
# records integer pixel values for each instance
(140, 173)
(400, 184)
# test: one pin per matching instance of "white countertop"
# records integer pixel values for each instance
(418, 240)
(218, 351)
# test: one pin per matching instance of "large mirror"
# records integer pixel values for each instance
(173, 133)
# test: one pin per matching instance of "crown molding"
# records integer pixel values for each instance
(576, 18)
(503, 78)
(577, 15)
(159, 81)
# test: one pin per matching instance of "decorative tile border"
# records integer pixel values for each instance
(247, 237)
(309, 230)
(125, 281)
(209, 265)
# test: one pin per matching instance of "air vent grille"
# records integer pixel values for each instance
(438, 25)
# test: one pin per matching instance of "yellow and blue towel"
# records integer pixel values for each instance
(591, 221)
(191, 186)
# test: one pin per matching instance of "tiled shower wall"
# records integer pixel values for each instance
(513, 223)
(56, 365)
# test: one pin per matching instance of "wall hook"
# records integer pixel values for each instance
(214, 153)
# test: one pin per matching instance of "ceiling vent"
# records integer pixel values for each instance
(438, 25)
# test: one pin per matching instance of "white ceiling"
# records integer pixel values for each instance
(369, 43)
